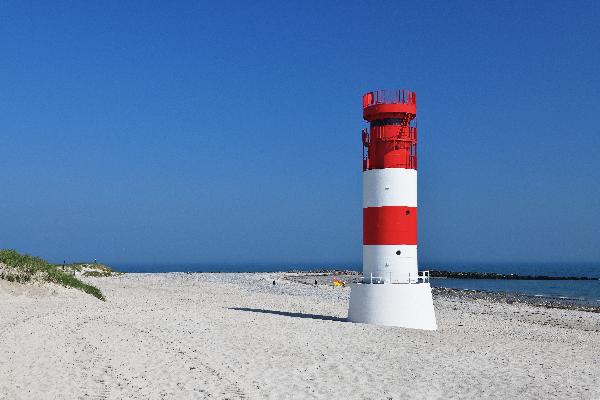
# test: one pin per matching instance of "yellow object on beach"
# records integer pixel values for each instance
(337, 282)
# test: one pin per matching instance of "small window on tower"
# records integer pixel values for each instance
(398, 252)
(407, 212)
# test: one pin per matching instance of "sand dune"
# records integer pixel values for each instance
(237, 336)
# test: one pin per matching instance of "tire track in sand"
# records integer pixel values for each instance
(203, 371)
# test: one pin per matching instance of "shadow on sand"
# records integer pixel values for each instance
(290, 314)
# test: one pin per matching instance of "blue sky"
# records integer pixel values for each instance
(149, 132)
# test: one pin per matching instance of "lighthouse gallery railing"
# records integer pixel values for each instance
(422, 277)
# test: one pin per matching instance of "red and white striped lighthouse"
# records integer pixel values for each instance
(392, 292)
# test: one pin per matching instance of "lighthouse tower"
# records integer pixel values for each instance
(392, 291)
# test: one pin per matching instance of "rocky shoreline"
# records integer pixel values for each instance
(433, 273)
(323, 277)
(493, 275)
(510, 298)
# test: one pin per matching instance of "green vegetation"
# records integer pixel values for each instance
(97, 273)
(89, 269)
(23, 268)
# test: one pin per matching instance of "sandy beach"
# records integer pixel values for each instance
(236, 336)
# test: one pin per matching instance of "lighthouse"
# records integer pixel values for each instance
(392, 290)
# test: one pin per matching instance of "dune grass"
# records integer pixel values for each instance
(24, 268)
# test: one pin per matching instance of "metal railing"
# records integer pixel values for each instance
(421, 277)
(401, 96)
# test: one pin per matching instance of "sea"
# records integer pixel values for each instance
(585, 291)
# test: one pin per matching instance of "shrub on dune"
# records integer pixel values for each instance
(22, 268)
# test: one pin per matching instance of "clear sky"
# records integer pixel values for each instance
(230, 133)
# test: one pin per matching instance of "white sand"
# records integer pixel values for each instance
(177, 336)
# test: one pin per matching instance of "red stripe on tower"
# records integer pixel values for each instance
(390, 225)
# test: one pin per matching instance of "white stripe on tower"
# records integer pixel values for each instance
(390, 187)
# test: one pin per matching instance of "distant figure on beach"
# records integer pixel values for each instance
(316, 282)
(273, 283)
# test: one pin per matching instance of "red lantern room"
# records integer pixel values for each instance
(391, 141)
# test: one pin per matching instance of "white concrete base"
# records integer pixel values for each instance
(404, 305)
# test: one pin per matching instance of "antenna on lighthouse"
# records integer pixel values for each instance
(392, 291)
